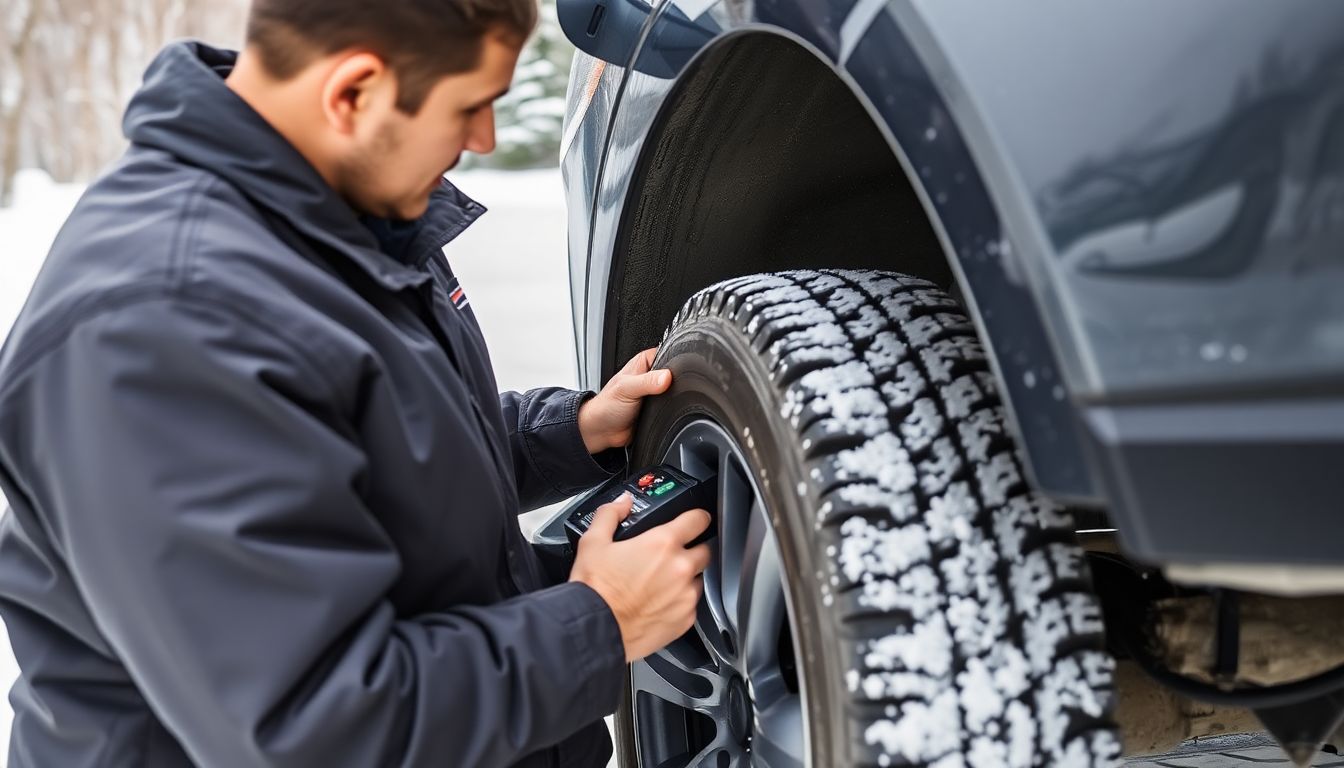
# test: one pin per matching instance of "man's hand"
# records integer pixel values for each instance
(608, 420)
(652, 582)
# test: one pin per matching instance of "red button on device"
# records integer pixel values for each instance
(646, 481)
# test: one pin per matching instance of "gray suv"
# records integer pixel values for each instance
(1013, 337)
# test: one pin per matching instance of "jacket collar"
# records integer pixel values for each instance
(185, 109)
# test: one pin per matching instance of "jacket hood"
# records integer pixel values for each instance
(185, 108)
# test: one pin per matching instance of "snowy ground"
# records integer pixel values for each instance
(511, 262)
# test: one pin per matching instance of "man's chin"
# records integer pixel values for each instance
(405, 208)
(414, 210)
(408, 210)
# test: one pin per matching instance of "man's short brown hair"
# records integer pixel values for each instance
(421, 40)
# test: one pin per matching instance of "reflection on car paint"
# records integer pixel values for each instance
(1182, 192)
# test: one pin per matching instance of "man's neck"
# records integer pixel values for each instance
(282, 104)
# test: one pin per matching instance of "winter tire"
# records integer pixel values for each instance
(885, 583)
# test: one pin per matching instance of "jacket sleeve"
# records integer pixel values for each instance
(550, 460)
(204, 493)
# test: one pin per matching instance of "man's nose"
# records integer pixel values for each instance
(481, 139)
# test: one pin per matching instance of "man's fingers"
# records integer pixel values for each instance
(689, 524)
(700, 556)
(642, 362)
(610, 515)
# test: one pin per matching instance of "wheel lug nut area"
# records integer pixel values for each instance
(739, 711)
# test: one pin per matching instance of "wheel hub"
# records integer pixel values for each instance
(739, 711)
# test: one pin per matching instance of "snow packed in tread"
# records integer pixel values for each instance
(988, 648)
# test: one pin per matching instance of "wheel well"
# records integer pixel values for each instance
(761, 159)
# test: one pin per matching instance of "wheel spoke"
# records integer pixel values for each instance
(688, 460)
(671, 679)
(752, 542)
(736, 503)
(717, 623)
(778, 738)
(760, 604)
(711, 634)
(687, 658)
(721, 575)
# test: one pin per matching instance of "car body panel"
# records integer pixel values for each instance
(1183, 167)
(1135, 229)
(591, 100)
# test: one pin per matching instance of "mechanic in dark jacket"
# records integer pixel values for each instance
(263, 487)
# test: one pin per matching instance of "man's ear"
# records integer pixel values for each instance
(352, 88)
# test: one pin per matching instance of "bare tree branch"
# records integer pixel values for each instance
(68, 68)
(12, 115)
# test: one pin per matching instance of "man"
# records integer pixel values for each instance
(263, 487)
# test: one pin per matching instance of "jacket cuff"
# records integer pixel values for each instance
(557, 449)
(594, 643)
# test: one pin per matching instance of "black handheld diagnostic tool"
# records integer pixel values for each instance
(659, 494)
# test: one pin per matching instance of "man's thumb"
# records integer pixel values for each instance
(645, 384)
(610, 515)
(659, 380)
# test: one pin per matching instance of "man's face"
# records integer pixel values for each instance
(394, 160)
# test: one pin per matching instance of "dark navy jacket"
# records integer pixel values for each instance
(263, 487)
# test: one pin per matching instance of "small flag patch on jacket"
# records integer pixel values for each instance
(458, 297)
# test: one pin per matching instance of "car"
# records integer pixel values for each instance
(1012, 337)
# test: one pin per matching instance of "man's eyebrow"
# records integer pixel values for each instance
(493, 98)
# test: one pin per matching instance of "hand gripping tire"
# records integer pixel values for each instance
(940, 611)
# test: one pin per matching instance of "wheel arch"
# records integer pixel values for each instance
(766, 155)
(716, 193)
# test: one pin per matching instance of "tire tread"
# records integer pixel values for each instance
(975, 636)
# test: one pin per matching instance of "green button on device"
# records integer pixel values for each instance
(664, 488)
